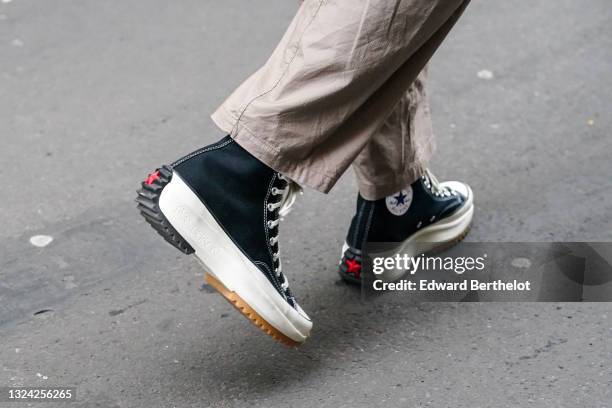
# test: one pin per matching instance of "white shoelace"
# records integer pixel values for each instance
(432, 183)
(288, 196)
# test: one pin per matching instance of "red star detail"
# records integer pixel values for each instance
(152, 177)
(354, 267)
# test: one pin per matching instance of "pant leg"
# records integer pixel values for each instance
(337, 74)
(396, 155)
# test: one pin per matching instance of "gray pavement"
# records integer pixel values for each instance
(96, 94)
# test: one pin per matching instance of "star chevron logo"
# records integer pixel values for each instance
(398, 203)
(400, 198)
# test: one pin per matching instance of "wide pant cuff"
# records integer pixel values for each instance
(391, 184)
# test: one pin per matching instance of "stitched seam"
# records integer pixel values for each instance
(286, 67)
(415, 169)
(200, 151)
(249, 131)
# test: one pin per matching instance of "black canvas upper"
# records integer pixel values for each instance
(235, 187)
(373, 222)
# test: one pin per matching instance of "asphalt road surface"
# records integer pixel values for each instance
(97, 94)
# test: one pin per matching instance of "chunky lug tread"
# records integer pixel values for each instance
(249, 313)
(148, 205)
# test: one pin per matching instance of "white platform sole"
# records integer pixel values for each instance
(436, 236)
(229, 271)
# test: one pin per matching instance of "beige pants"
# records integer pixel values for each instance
(345, 86)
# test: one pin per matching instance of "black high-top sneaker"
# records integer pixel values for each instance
(425, 216)
(224, 206)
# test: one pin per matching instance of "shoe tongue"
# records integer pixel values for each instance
(289, 196)
(434, 185)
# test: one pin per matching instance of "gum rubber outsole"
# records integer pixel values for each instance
(243, 307)
(148, 205)
(438, 249)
